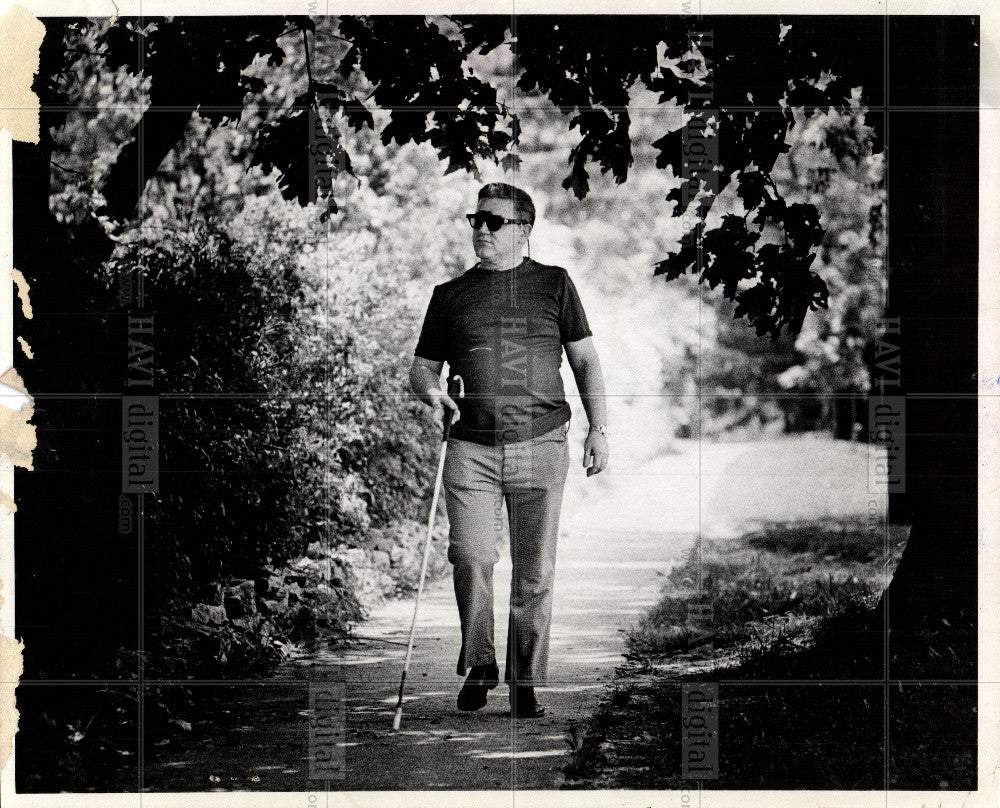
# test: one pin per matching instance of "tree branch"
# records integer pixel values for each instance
(137, 163)
(309, 72)
(69, 170)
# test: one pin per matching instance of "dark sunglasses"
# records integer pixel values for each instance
(492, 220)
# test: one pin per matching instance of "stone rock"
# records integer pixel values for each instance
(302, 564)
(275, 584)
(212, 593)
(240, 600)
(247, 623)
(244, 585)
(209, 614)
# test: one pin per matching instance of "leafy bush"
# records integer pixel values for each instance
(223, 335)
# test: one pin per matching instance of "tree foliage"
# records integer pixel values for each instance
(586, 70)
(830, 166)
(806, 381)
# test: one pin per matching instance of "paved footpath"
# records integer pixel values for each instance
(620, 533)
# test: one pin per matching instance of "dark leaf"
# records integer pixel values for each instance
(358, 115)
(752, 185)
(670, 151)
(510, 162)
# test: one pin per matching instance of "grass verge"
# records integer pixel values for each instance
(768, 587)
(794, 642)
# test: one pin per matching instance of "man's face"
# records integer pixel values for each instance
(506, 243)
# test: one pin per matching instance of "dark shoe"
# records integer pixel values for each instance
(523, 703)
(481, 679)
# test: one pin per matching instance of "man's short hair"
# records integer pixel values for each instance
(523, 206)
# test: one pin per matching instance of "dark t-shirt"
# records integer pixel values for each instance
(503, 332)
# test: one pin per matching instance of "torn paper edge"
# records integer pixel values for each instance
(21, 35)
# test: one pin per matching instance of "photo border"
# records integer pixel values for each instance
(988, 455)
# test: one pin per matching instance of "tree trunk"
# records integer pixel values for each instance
(933, 253)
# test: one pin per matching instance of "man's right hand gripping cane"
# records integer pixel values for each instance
(441, 402)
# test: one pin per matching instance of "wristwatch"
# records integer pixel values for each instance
(602, 428)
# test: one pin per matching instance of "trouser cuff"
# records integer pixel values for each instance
(464, 665)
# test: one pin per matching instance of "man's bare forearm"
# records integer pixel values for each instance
(590, 383)
(422, 380)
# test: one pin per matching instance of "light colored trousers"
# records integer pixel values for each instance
(529, 477)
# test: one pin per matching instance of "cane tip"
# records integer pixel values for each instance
(396, 720)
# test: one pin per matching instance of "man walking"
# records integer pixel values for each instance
(502, 326)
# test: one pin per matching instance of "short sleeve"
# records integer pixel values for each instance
(573, 323)
(433, 341)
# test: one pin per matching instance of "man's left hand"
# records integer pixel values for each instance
(595, 453)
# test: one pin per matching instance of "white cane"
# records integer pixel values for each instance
(456, 389)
